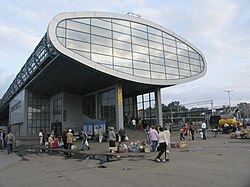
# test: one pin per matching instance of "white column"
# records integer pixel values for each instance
(119, 108)
(158, 106)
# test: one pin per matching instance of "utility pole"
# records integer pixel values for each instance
(229, 99)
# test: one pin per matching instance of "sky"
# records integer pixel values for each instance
(218, 28)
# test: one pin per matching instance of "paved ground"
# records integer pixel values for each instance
(219, 161)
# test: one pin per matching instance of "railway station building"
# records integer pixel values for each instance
(94, 66)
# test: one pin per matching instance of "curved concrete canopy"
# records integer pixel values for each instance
(66, 28)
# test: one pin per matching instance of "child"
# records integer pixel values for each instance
(181, 134)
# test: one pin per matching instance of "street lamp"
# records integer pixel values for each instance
(229, 99)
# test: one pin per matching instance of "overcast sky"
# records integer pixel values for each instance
(219, 28)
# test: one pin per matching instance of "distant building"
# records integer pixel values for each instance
(92, 66)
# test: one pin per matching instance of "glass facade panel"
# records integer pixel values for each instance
(155, 45)
(122, 53)
(62, 24)
(139, 26)
(85, 20)
(122, 62)
(181, 45)
(76, 35)
(157, 68)
(182, 52)
(73, 25)
(156, 60)
(170, 70)
(154, 31)
(140, 49)
(140, 34)
(141, 73)
(165, 35)
(107, 107)
(172, 77)
(101, 32)
(184, 66)
(172, 63)
(184, 73)
(169, 42)
(121, 28)
(155, 38)
(156, 75)
(193, 55)
(140, 57)
(195, 68)
(101, 50)
(183, 59)
(101, 23)
(122, 45)
(73, 44)
(121, 22)
(171, 56)
(101, 59)
(122, 37)
(169, 49)
(194, 62)
(60, 32)
(38, 114)
(141, 65)
(124, 69)
(101, 40)
(139, 41)
(82, 53)
(156, 53)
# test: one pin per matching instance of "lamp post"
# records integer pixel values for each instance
(229, 99)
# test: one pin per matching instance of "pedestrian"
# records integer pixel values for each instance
(148, 135)
(181, 134)
(122, 134)
(85, 142)
(140, 125)
(96, 137)
(192, 129)
(185, 129)
(133, 124)
(10, 139)
(100, 134)
(1, 139)
(154, 139)
(203, 128)
(162, 139)
(112, 137)
(50, 142)
(64, 139)
(41, 137)
(69, 141)
(168, 136)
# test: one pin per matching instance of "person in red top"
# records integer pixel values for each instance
(186, 130)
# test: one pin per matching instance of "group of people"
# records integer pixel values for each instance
(7, 140)
(159, 139)
(135, 125)
(187, 132)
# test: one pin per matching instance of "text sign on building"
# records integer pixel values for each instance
(120, 96)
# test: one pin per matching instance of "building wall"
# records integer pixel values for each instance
(72, 111)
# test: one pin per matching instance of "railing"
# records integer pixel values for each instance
(41, 53)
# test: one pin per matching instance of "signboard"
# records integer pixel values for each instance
(120, 96)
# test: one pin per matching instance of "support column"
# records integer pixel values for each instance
(119, 108)
(158, 106)
(135, 114)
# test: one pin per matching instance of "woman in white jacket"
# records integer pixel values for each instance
(162, 140)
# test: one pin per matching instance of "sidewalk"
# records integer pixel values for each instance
(8, 159)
